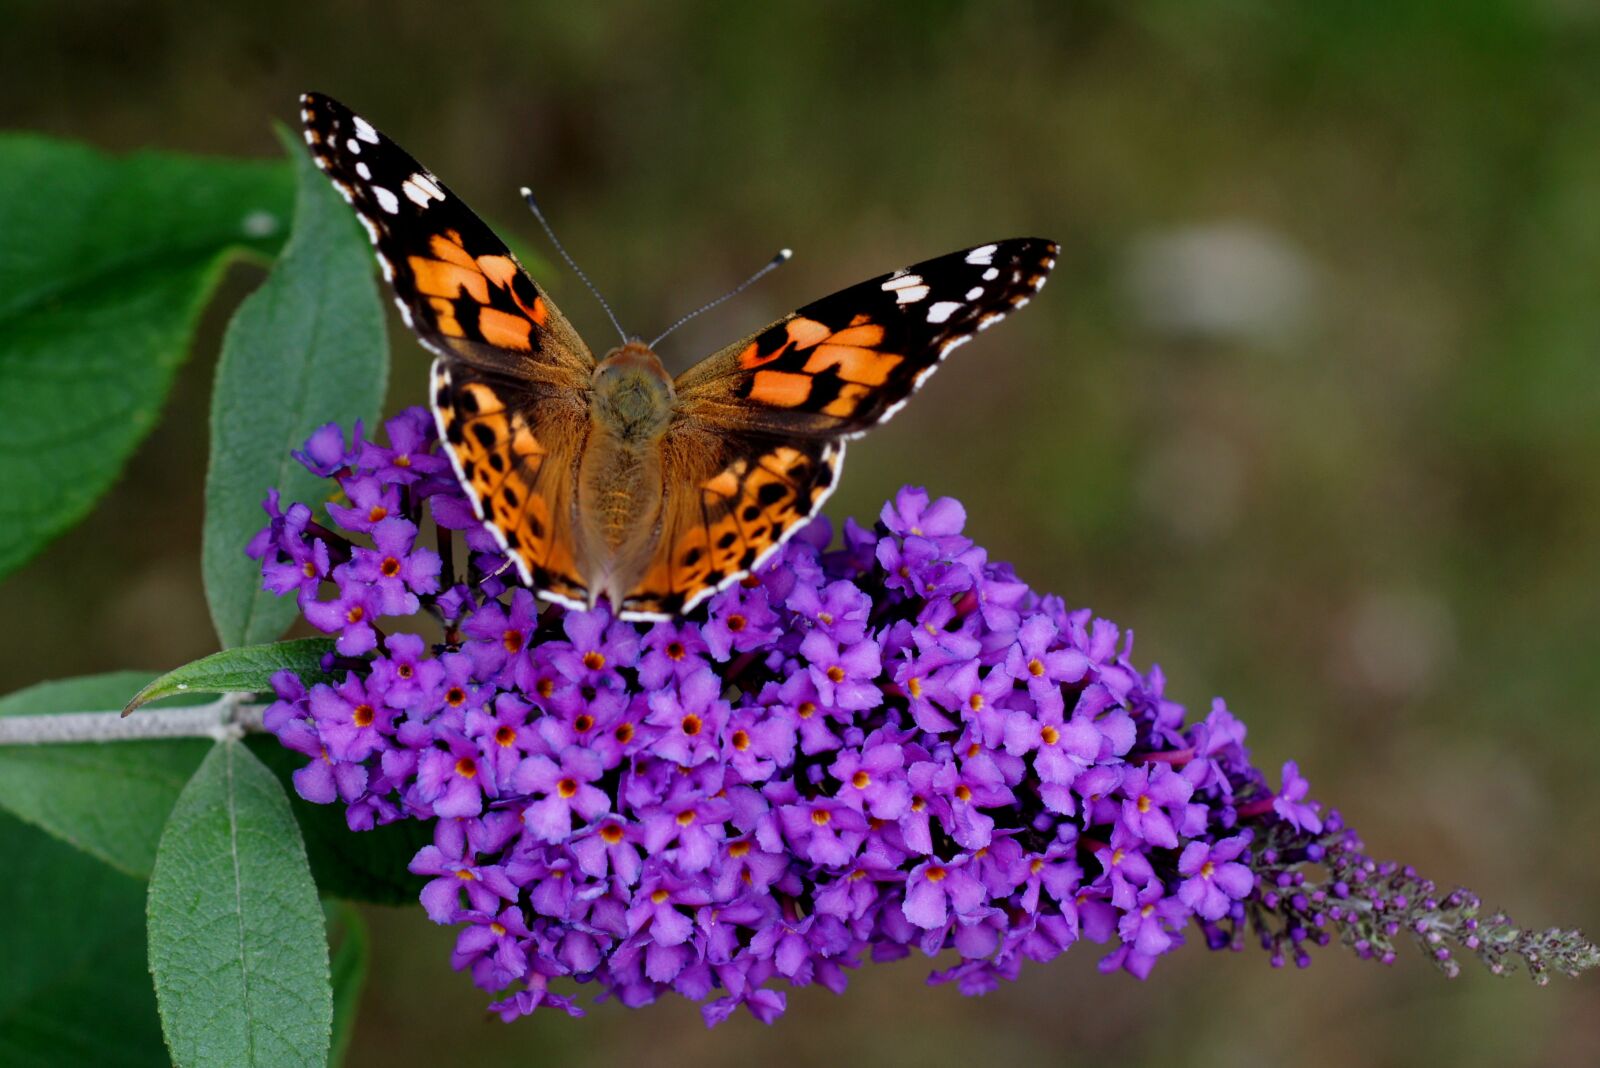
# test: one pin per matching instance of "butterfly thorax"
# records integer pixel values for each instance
(632, 395)
(619, 481)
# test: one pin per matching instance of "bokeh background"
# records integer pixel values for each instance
(1312, 402)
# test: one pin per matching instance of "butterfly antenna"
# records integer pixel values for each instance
(533, 205)
(773, 264)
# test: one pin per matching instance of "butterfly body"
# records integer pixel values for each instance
(610, 478)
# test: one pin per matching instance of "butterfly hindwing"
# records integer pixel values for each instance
(730, 500)
(847, 362)
(456, 283)
(516, 453)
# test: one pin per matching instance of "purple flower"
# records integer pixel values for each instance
(855, 754)
(1290, 802)
(1214, 879)
(565, 790)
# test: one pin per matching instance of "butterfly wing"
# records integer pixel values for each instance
(758, 441)
(508, 383)
(843, 364)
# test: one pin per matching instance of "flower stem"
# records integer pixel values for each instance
(223, 718)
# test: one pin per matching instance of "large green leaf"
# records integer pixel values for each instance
(244, 670)
(112, 799)
(105, 265)
(238, 943)
(74, 986)
(109, 799)
(307, 348)
(358, 865)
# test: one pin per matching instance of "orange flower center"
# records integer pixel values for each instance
(821, 817)
(362, 716)
(691, 724)
(975, 702)
(611, 834)
(404, 671)
(566, 788)
(454, 696)
(405, 461)
(914, 686)
(511, 640)
(675, 650)
(1207, 869)
(390, 567)
(861, 780)
(309, 568)
(1036, 866)
(963, 793)
(686, 817)
(355, 614)
(836, 674)
(806, 710)
(738, 849)
(918, 804)
(505, 737)
(741, 740)
(936, 874)
(624, 733)
(1144, 803)
(498, 928)
(594, 660)
(1049, 735)
(736, 623)
(658, 896)
(466, 767)
(378, 512)
(583, 723)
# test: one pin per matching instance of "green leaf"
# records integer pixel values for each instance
(112, 799)
(349, 932)
(74, 986)
(306, 348)
(238, 945)
(105, 265)
(244, 670)
(357, 865)
(108, 799)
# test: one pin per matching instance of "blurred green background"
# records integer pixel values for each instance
(1312, 402)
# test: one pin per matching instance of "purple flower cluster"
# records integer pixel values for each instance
(859, 752)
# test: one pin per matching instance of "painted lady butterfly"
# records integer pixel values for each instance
(611, 478)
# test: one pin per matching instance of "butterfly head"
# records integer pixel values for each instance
(632, 392)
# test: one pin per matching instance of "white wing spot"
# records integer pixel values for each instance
(365, 131)
(420, 191)
(388, 268)
(975, 292)
(907, 288)
(982, 254)
(1019, 301)
(364, 170)
(353, 145)
(989, 320)
(942, 310)
(386, 199)
(991, 274)
(369, 226)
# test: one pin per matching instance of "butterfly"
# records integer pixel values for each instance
(610, 478)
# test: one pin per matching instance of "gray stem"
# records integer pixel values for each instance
(222, 719)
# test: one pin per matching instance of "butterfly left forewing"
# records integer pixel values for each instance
(456, 283)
